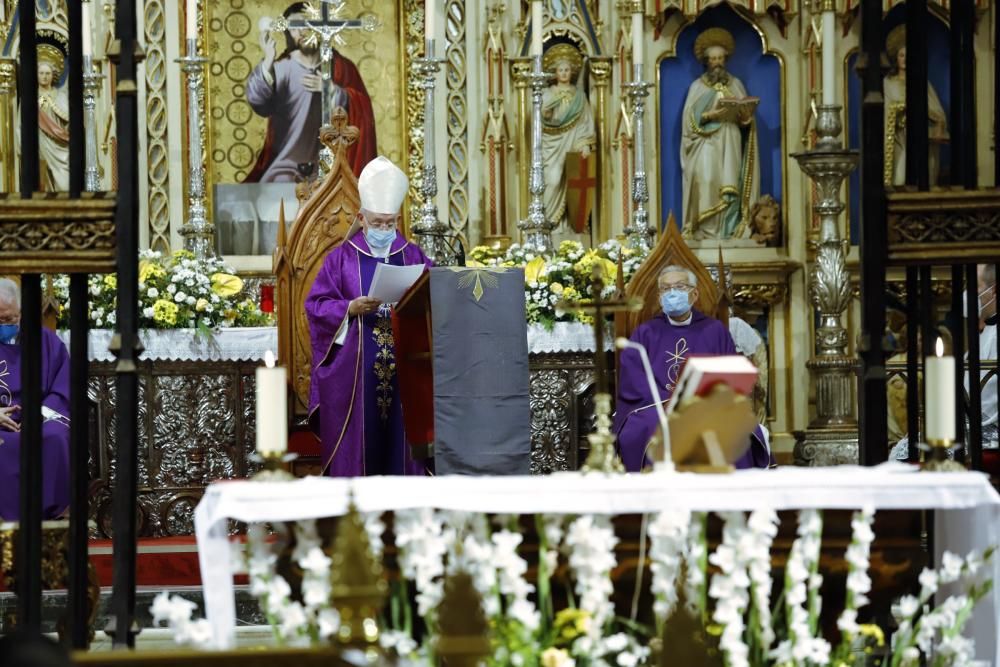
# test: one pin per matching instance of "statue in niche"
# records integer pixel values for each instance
(894, 87)
(765, 221)
(718, 146)
(53, 116)
(567, 127)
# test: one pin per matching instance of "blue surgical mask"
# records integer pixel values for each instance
(675, 303)
(8, 332)
(379, 238)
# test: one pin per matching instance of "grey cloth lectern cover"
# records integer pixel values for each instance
(480, 338)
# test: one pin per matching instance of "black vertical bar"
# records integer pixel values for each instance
(79, 473)
(872, 407)
(126, 385)
(963, 111)
(74, 68)
(27, 83)
(974, 445)
(77, 616)
(928, 314)
(913, 398)
(29, 545)
(916, 94)
(958, 351)
(29, 593)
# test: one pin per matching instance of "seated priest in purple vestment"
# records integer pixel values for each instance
(354, 405)
(55, 411)
(669, 338)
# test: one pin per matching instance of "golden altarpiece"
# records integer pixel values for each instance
(482, 102)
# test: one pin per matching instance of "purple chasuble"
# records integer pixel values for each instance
(354, 404)
(667, 345)
(55, 432)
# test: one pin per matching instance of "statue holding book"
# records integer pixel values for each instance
(718, 146)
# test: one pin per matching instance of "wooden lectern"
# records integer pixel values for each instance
(411, 329)
(462, 370)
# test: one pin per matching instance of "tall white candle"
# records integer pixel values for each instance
(86, 28)
(828, 52)
(637, 50)
(191, 22)
(536, 28)
(272, 407)
(430, 11)
(939, 395)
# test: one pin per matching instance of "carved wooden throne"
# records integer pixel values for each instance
(670, 249)
(324, 220)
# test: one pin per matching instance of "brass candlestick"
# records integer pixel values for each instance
(936, 457)
(273, 468)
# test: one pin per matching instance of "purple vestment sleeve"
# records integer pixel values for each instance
(260, 93)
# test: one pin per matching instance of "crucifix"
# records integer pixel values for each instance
(602, 457)
(326, 26)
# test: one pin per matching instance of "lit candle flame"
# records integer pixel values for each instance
(939, 348)
(269, 359)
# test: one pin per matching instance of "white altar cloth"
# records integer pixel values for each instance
(968, 516)
(250, 343)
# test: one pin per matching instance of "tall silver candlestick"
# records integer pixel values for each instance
(537, 230)
(91, 85)
(431, 234)
(832, 437)
(198, 232)
(639, 233)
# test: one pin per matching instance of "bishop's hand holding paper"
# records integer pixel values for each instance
(354, 405)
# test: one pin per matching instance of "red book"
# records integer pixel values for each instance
(701, 373)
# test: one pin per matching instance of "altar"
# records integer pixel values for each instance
(966, 510)
(196, 407)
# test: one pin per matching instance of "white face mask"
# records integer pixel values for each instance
(979, 300)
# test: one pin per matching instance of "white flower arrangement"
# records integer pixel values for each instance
(528, 633)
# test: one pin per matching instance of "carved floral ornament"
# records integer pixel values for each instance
(781, 10)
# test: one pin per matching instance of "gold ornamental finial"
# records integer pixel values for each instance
(358, 588)
(464, 640)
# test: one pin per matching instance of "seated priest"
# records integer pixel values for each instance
(55, 411)
(669, 338)
(354, 404)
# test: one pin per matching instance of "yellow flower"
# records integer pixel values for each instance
(111, 281)
(873, 631)
(165, 312)
(226, 284)
(201, 304)
(149, 270)
(566, 247)
(610, 270)
(183, 254)
(556, 288)
(472, 262)
(554, 657)
(533, 270)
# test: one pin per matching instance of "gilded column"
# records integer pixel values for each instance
(158, 154)
(521, 74)
(7, 120)
(600, 72)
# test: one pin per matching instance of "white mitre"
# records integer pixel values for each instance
(382, 186)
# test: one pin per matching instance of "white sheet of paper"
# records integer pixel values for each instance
(391, 282)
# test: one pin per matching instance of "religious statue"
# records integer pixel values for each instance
(894, 86)
(718, 146)
(567, 127)
(53, 118)
(287, 89)
(765, 221)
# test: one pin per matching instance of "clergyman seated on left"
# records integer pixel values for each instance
(55, 411)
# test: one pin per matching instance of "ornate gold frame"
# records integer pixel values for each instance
(391, 84)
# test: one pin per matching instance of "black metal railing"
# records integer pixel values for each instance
(956, 249)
